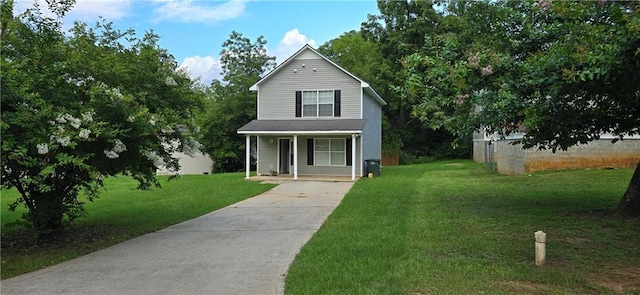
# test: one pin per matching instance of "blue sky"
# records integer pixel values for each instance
(193, 31)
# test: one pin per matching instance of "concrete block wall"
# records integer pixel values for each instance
(512, 159)
(595, 154)
(478, 151)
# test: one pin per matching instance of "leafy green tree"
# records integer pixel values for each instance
(359, 56)
(232, 104)
(363, 58)
(561, 72)
(399, 31)
(82, 106)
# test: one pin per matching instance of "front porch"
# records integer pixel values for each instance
(319, 148)
(283, 178)
(295, 156)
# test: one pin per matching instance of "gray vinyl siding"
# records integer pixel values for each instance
(276, 96)
(304, 169)
(372, 131)
(268, 157)
(267, 154)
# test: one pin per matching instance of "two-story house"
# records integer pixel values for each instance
(314, 118)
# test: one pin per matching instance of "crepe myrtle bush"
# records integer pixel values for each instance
(81, 106)
(50, 156)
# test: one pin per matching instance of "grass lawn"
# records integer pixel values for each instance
(455, 228)
(119, 214)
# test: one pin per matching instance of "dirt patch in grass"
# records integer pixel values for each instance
(25, 241)
(22, 252)
(619, 279)
(576, 240)
(455, 164)
(520, 287)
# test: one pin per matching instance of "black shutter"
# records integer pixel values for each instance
(310, 151)
(336, 103)
(349, 154)
(298, 103)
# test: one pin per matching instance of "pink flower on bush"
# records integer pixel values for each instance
(544, 4)
(486, 71)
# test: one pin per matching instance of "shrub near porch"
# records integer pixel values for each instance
(456, 228)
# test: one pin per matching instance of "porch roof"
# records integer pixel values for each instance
(333, 126)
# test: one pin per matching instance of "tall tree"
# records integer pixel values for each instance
(562, 72)
(232, 104)
(82, 106)
(364, 59)
(400, 30)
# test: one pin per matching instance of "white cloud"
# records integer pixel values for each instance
(108, 9)
(83, 10)
(187, 11)
(205, 68)
(292, 41)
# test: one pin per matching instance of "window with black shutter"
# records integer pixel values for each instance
(318, 103)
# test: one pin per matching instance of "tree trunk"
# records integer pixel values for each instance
(47, 216)
(630, 203)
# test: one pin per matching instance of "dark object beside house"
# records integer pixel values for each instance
(373, 166)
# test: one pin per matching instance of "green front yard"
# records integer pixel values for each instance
(440, 228)
(122, 213)
(456, 228)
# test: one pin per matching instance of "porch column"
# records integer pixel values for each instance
(353, 157)
(295, 157)
(247, 156)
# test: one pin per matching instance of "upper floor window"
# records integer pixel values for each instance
(318, 103)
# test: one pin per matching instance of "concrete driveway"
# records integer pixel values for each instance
(245, 248)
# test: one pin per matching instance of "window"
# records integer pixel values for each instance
(330, 152)
(317, 103)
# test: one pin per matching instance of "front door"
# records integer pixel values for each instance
(284, 153)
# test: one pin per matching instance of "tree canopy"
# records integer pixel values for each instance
(84, 105)
(560, 73)
(232, 104)
(398, 31)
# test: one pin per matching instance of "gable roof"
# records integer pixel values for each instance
(365, 86)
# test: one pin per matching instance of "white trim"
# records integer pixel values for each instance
(257, 153)
(257, 104)
(248, 156)
(362, 151)
(361, 104)
(330, 132)
(353, 157)
(295, 157)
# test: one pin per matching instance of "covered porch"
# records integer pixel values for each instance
(305, 148)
